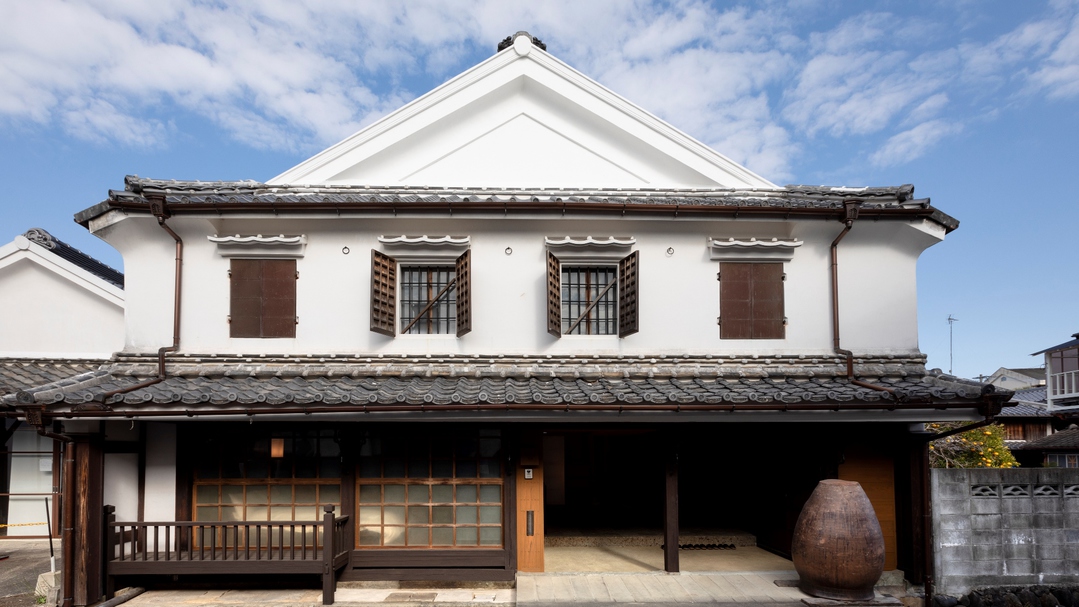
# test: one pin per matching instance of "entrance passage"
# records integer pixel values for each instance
(602, 481)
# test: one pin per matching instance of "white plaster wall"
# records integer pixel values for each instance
(679, 298)
(46, 315)
(30, 473)
(159, 503)
(121, 480)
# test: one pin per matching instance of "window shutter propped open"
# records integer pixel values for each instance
(383, 293)
(554, 295)
(464, 293)
(628, 319)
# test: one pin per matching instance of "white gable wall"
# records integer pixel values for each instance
(50, 308)
(522, 120)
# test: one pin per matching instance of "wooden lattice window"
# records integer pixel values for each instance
(751, 301)
(262, 298)
(592, 299)
(288, 475)
(434, 298)
(414, 492)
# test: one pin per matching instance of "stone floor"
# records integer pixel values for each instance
(735, 588)
(595, 575)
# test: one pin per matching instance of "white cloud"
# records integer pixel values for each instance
(755, 83)
(913, 143)
(1059, 74)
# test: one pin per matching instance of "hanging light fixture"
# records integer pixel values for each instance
(277, 447)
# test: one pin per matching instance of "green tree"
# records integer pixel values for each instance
(978, 448)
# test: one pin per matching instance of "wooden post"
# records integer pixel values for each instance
(670, 512)
(89, 571)
(110, 549)
(329, 577)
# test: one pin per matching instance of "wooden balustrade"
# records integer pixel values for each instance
(229, 547)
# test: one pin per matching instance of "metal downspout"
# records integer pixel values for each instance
(851, 207)
(159, 211)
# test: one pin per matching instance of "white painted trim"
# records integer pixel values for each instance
(424, 240)
(259, 246)
(735, 249)
(425, 249)
(589, 241)
(22, 249)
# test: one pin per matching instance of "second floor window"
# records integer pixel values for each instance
(751, 301)
(589, 300)
(262, 298)
(433, 298)
(592, 299)
(428, 299)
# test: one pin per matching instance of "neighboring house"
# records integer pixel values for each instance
(1027, 418)
(1017, 379)
(62, 314)
(1058, 450)
(1062, 375)
(518, 301)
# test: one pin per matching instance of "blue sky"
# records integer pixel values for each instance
(974, 102)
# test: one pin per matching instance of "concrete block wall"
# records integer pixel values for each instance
(1004, 527)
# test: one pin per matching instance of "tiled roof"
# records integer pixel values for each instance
(1013, 409)
(251, 195)
(1028, 395)
(65, 251)
(1065, 439)
(278, 383)
(20, 374)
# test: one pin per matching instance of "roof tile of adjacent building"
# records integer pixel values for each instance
(1065, 439)
(251, 196)
(65, 251)
(20, 374)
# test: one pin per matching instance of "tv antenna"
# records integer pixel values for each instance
(951, 321)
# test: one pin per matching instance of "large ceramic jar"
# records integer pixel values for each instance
(838, 547)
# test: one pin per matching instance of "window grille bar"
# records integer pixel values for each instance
(591, 305)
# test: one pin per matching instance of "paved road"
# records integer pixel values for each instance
(26, 560)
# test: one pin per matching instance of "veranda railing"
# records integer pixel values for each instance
(233, 547)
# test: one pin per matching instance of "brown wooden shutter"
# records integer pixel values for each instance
(767, 297)
(751, 300)
(279, 298)
(383, 293)
(263, 298)
(554, 295)
(245, 298)
(628, 321)
(735, 306)
(464, 293)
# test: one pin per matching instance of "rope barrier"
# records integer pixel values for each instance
(25, 524)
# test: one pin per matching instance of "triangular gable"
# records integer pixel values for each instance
(21, 250)
(522, 119)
